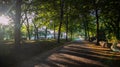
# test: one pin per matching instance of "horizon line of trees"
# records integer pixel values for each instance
(71, 16)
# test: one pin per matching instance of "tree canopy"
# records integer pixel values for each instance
(68, 18)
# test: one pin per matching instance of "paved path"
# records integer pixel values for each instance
(76, 54)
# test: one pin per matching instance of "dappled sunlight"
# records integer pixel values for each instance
(9, 43)
(81, 59)
(78, 55)
(104, 51)
(60, 33)
(93, 50)
(60, 58)
(65, 59)
(25, 51)
(30, 41)
(41, 65)
(84, 53)
(74, 55)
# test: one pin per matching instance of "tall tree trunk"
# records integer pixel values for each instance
(117, 30)
(54, 31)
(17, 32)
(71, 34)
(97, 23)
(46, 33)
(61, 19)
(36, 31)
(118, 27)
(28, 27)
(67, 27)
(88, 31)
(28, 31)
(88, 36)
(85, 27)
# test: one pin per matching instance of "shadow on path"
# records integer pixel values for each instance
(77, 54)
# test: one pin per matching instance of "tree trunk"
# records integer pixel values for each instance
(28, 27)
(88, 31)
(67, 28)
(97, 23)
(54, 31)
(71, 34)
(28, 33)
(36, 31)
(61, 19)
(17, 32)
(118, 27)
(46, 33)
(85, 27)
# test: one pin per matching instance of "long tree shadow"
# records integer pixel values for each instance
(77, 55)
(88, 51)
(11, 55)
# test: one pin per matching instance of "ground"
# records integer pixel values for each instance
(75, 54)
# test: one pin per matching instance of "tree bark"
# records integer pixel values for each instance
(118, 27)
(46, 33)
(85, 27)
(67, 27)
(54, 31)
(71, 34)
(17, 32)
(36, 31)
(28, 27)
(88, 32)
(97, 23)
(61, 19)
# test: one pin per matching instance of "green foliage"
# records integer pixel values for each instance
(80, 15)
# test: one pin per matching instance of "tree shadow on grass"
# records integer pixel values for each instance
(11, 55)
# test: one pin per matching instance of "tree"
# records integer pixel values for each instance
(17, 22)
(61, 19)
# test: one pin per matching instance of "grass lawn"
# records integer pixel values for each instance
(11, 54)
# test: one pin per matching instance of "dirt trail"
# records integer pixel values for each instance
(76, 54)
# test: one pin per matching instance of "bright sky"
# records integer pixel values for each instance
(4, 20)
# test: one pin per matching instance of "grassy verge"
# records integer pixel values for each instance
(11, 54)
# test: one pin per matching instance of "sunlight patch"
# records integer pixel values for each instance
(4, 20)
